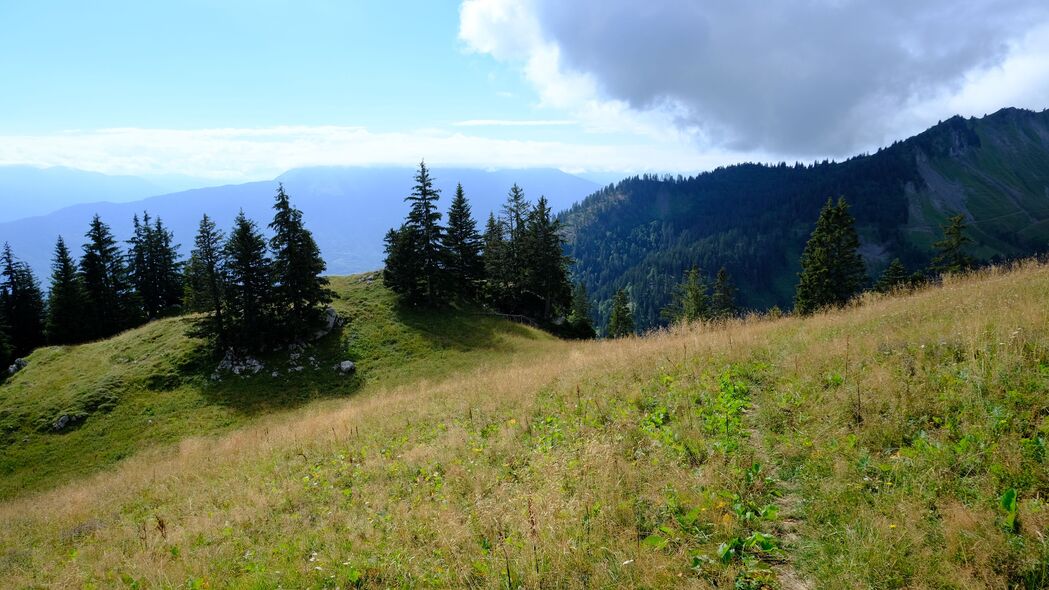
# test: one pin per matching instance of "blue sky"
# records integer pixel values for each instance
(237, 90)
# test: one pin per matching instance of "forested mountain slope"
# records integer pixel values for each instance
(754, 219)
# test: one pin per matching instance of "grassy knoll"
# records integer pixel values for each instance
(897, 444)
(152, 385)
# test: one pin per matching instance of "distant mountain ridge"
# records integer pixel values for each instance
(27, 191)
(349, 209)
(754, 219)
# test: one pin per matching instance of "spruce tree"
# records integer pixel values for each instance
(22, 303)
(723, 301)
(832, 271)
(108, 294)
(579, 322)
(544, 264)
(153, 267)
(402, 268)
(494, 258)
(689, 301)
(462, 244)
(951, 257)
(67, 304)
(301, 290)
(894, 277)
(7, 352)
(621, 320)
(205, 279)
(515, 213)
(424, 220)
(249, 286)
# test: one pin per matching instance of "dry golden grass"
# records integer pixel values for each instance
(612, 463)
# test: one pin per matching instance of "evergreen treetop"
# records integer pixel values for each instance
(951, 256)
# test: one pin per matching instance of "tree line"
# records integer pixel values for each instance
(516, 266)
(252, 292)
(832, 274)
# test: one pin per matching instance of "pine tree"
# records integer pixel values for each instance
(249, 286)
(515, 213)
(205, 280)
(108, 294)
(689, 301)
(723, 301)
(621, 320)
(494, 258)
(67, 304)
(543, 263)
(894, 277)
(579, 322)
(951, 257)
(7, 352)
(462, 243)
(301, 290)
(153, 267)
(402, 268)
(832, 271)
(22, 303)
(424, 220)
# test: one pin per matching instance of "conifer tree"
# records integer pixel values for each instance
(951, 256)
(494, 258)
(249, 286)
(7, 353)
(544, 264)
(205, 279)
(723, 301)
(424, 220)
(689, 301)
(67, 304)
(402, 268)
(105, 281)
(153, 267)
(621, 320)
(462, 243)
(515, 214)
(301, 290)
(579, 322)
(894, 277)
(22, 303)
(832, 271)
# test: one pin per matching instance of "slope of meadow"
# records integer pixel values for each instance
(151, 386)
(899, 443)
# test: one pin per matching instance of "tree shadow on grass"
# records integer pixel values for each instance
(463, 330)
(283, 383)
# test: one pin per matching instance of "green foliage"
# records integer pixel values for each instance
(950, 251)
(723, 301)
(300, 290)
(21, 304)
(894, 277)
(689, 302)
(621, 319)
(832, 271)
(579, 318)
(154, 271)
(66, 305)
(205, 280)
(463, 246)
(110, 299)
(249, 287)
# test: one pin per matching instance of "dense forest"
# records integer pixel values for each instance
(643, 233)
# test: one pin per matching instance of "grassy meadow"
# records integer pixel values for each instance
(899, 443)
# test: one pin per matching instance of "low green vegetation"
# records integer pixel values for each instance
(897, 443)
(75, 410)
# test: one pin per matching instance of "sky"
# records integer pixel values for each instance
(246, 89)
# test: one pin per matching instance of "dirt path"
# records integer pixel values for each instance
(789, 505)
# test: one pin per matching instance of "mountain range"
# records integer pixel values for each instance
(754, 219)
(349, 209)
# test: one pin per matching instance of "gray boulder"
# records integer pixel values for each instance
(346, 367)
(17, 366)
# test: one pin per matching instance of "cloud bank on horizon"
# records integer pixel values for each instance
(598, 86)
(793, 78)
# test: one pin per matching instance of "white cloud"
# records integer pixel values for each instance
(514, 123)
(805, 78)
(258, 153)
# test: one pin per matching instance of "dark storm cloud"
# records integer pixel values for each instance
(789, 76)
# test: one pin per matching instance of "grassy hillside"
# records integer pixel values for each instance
(896, 444)
(152, 385)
